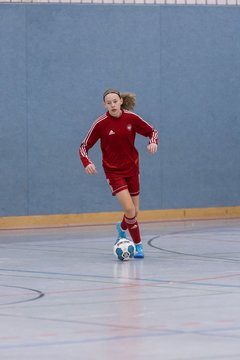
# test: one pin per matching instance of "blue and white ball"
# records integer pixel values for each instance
(124, 249)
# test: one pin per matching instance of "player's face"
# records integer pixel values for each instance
(113, 104)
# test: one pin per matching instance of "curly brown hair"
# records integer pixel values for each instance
(129, 101)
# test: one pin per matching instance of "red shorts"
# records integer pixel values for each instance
(118, 183)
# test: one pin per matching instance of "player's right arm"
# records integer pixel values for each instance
(91, 169)
(89, 141)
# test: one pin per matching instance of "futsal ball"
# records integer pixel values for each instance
(124, 249)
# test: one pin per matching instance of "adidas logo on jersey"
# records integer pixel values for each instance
(111, 132)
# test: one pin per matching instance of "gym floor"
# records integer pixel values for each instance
(63, 294)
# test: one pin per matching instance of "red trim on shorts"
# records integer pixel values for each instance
(135, 194)
(119, 189)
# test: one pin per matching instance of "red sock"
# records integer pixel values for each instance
(124, 224)
(133, 229)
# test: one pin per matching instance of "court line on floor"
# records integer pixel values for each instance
(148, 334)
(37, 297)
(150, 243)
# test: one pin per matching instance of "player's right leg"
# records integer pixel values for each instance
(128, 206)
(117, 184)
(121, 232)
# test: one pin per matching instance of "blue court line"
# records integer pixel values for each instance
(170, 332)
(160, 281)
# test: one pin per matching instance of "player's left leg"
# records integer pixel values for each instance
(135, 200)
(139, 247)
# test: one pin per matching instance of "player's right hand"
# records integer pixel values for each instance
(91, 169)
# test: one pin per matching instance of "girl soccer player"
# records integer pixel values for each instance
(116, 130)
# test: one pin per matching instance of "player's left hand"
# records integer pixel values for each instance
(152, 148)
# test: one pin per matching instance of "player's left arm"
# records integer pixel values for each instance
(145, 129)
(152, 148)
(153, 142)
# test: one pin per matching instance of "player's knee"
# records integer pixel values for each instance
(130, 211)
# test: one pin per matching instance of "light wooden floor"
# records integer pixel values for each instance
(64, 296)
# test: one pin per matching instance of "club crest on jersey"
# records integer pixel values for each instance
(129, 127)
(111, 132)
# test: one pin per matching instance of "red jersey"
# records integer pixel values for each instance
(117, 137)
